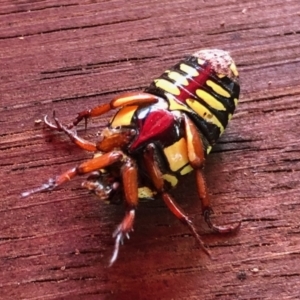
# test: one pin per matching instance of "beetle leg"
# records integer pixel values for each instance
(72, 134)
(195, 147)
(88, 166)
(196, 158)
(49, 124)
(206, 208)
(126, 99)
(130, 184)
(158, 181)
(121, 232)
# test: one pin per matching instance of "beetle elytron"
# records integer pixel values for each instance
(158, 135)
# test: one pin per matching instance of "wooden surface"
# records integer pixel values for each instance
(71, 55)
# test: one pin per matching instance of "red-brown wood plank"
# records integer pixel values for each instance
(69, 55)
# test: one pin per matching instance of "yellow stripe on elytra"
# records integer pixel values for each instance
(171, 179)
(210, 100)
(189, 70)
(180, 79)
(175, 105)
(124, 116)
(177, 155)
(204, 113)
(218, 89)
(234, 69)
(186, 170)
(236, 101)
(167, 86)
(208, 149)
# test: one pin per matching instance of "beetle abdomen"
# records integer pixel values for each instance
(205, 86)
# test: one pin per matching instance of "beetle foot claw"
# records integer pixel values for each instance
(49, 124)
(220, 228)
(119, 236)
(61, 127)
(122, 232)
(58, 125)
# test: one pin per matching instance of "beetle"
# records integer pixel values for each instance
(157, 136)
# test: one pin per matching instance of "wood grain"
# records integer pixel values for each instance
(69, 55)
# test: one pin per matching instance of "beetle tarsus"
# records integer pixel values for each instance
(122, 232)
(219, 228)
(49, 186)
(119, 240)
(49, 124)
(59, 126)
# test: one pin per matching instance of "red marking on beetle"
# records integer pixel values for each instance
(195, 83)
(156, 123)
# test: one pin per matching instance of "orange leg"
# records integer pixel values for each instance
(196, 157)
(137, 98)
(158, 181)
(129, 176)
(72, 134)
(206, 208)
(122, 231)
(88, 166)
(110, 138)
(119, 138)
(194, 144)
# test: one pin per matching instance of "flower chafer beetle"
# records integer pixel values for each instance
(158, 135)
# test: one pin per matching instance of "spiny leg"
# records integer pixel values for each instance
(110, 138)
(158, 181)
(126, 99)
(119, 238)
(206, 208)
(196, 158)
(72, 134)
(118, 102)
(179, 214)
(130, 185)
(86, 167)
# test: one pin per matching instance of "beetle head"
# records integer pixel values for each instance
(103, 184)
(115, 138)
